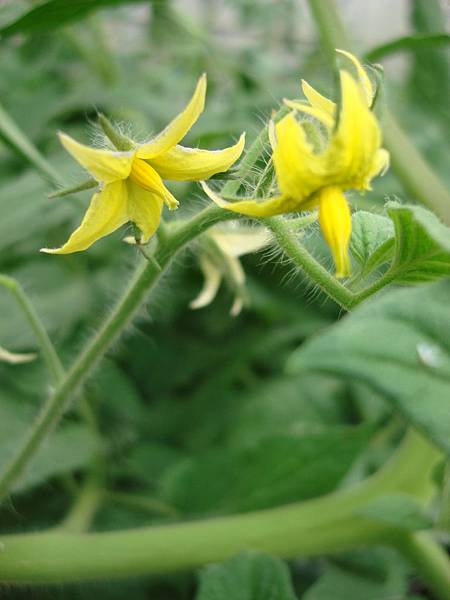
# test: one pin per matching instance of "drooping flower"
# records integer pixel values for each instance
(316, 161)
(131, 182)
(220, 249)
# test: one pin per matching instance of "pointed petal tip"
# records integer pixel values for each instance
(49, 250)
(213, 195)
(237, 307)
(240, 144)
(201, 88)
(61, 136)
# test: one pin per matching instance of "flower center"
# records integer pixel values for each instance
(145, 176)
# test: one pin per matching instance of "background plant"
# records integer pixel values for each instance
(194, 414)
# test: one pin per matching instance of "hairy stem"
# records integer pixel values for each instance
(144, 278)
(302, 258)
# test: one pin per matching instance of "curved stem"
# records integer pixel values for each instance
(323, 525)
(302, 258)
(144, 278)
(287, 532)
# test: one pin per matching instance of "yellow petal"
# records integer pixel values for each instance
(353, 148)
(336, 225)
(106, 213)
(317, 113)
(362, 76)
(104, 165)
(191, 164)
(147, 178)
(253, 208)
(144, 209)
(178, 128)
(317, 100)
(299, 170)
(212, 279)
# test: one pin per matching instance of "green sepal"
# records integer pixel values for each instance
(79, 187)
(120, 141)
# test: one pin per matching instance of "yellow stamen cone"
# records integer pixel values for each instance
(336, 224)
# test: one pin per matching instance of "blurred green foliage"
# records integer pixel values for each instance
(197, 414)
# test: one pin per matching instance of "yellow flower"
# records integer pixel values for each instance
(131, 186)
(315, 162)
(219, 258)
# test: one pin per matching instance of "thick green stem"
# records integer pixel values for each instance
(143, 279)
(410, 167)
(324, 525)
(287, 532)
(302, 258)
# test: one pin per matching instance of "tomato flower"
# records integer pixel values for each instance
(220, 249)
(131, 182)
(315, 162)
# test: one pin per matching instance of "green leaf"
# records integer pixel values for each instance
(422, 244)
(370, 233)
(285, 405)
(274, 470)
(68, 449)
(398, 344)
(55, 13)
(408, 42)
(59, 297)
(370, 575)
(399, 510)
(248, 576)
